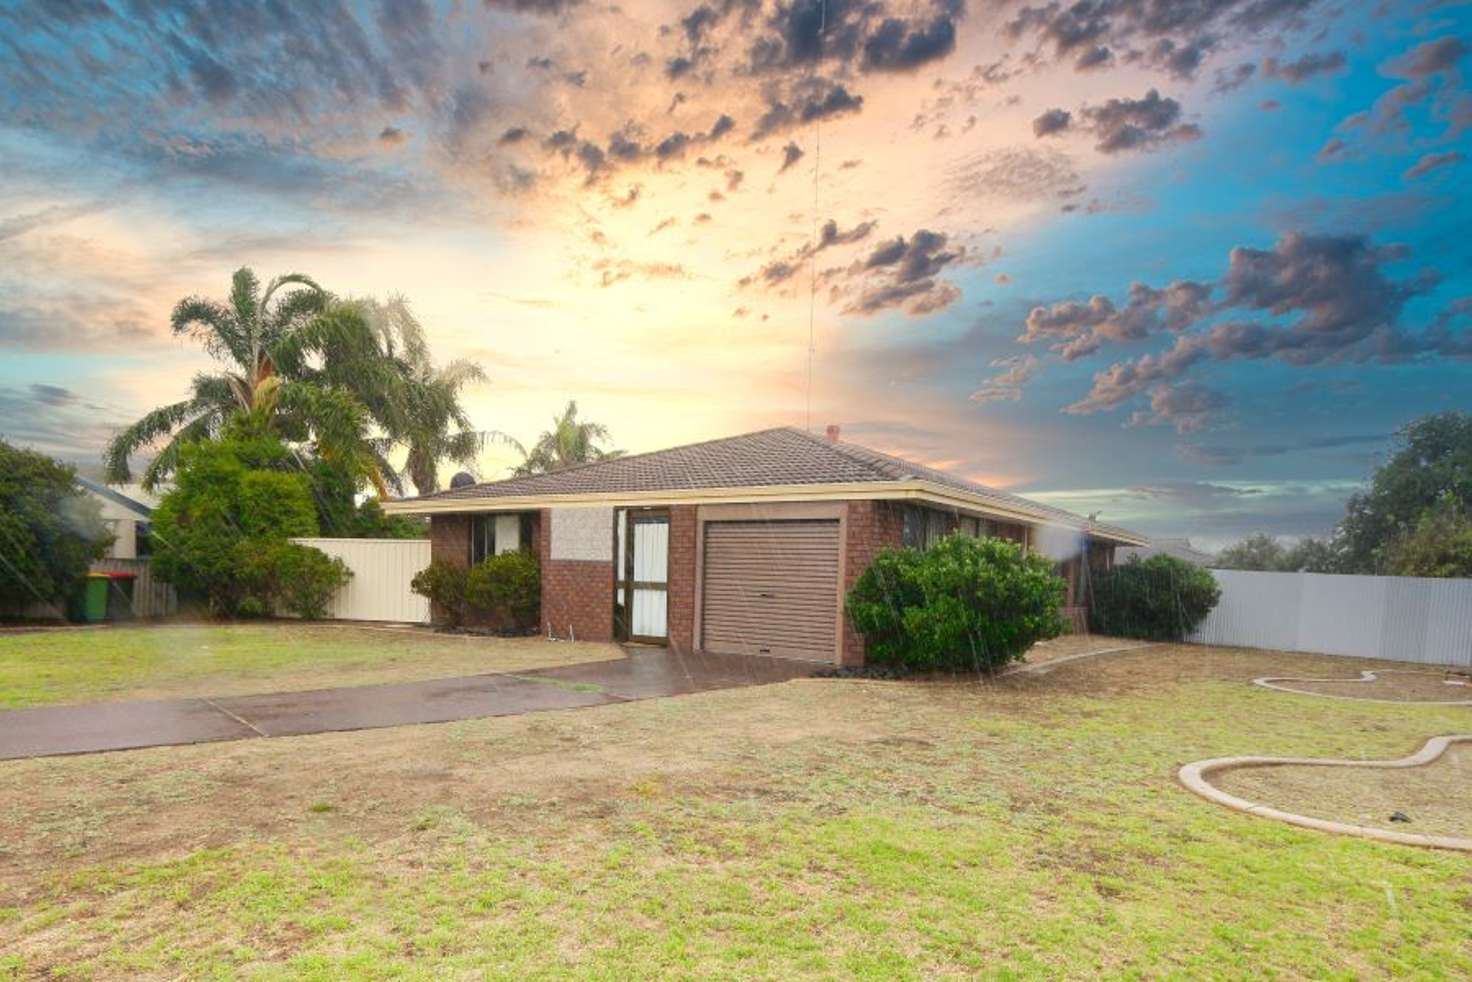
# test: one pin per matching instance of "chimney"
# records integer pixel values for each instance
(832, 432)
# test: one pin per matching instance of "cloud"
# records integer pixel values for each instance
(1231, 79)
(611, 271)
(809, 101)
(1146, 123)
(791, 154)
(392, 136)
(1014, 174)
(1431, 76)
(1305, 67)
(899, 45)
(902, 274)
(1052, 121)
(1186, 406)
(1326, 298)
(802, 33)
(830, 235)
(1007, 385)
(1175, 37)
(1433, 161)
(1078, 329)
(1230, 455)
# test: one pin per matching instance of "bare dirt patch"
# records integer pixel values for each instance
(1437, 798)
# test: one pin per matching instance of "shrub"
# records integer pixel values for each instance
(287, 576)
(508, 584)
(226, 494)
(444, 584)
(1160, 599)
(965, 603)
(49, 531)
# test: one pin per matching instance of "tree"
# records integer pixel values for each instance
(964, 603)
(1264, 552)
(49, 531)
(232, 497)
(1439, 545)
(1160, 599)
(426, 417)
(1261, 552)
(570, 441)
(288, 351)
(1432, 461)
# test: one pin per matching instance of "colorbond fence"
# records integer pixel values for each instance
(1393, 617)
(379, 589)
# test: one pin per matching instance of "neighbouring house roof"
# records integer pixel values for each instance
(785, 463)
(1179, 548)
(133, 499)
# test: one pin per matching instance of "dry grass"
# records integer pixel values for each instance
(1393, 686)
(1028, 826)
(157, 662)
(1437, 798)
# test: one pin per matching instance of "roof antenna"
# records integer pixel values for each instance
(813, 237)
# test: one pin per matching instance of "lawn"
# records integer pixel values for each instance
(1028, 827)
(154, 662)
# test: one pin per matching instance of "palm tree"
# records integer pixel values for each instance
(570, 441)
(287, 354)
(424, 414)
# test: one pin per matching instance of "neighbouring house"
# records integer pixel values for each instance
(127, 511)
(740, 545)
(1179, 548)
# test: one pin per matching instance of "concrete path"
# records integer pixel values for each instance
(645, 674)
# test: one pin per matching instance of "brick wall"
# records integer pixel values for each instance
(872, 526)
(681, 599)
(577, 594)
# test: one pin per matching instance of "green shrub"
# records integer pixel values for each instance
(287, 576)
(509, 585)
(965, 603)
(1160, 599)
(444, 584)
(227, 493)
(49, 531)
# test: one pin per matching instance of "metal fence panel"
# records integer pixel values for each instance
(1392, 617)
(382, 569)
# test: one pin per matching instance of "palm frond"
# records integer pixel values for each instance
(214, 326)
(167, 461)
(153, 426)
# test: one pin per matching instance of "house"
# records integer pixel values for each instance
(1179, 548)
(740, 545)
(126, 510)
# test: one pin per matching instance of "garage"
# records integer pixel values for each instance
(771, 588)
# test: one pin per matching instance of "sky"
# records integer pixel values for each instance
(1187, 264)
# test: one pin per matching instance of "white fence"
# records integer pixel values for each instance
(379, 589)
(1398, 618)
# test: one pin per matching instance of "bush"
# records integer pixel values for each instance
(1160, 599)
(49, 531)
(509, 584)
(228, 494)
(287, 576)
(444, 584)
(965, 603)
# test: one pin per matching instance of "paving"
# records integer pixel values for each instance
(647, 673)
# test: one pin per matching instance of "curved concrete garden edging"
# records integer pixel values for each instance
(1194, 777)
(1270, 682)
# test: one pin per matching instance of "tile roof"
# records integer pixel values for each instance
(781, 456)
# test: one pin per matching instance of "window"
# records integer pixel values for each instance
(491, 535)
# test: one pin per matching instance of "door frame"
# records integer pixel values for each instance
(772, 512)
(625, 576)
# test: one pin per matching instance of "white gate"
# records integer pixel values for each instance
(1399, 618)
(379, 589)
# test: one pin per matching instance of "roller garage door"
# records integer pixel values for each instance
(771, 588)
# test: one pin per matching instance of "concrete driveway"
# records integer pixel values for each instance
(648, 673)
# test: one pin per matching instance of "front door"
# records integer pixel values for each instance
(645, 576)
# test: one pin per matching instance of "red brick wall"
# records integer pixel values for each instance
(577, 594)
(872, 526)
(681, 599)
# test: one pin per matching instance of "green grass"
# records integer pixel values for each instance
(43, 668)
(1031, 829)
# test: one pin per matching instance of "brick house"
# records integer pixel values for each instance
(740, 545)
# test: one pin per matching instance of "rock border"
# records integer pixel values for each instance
(1194, 777)
(1270, 682)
